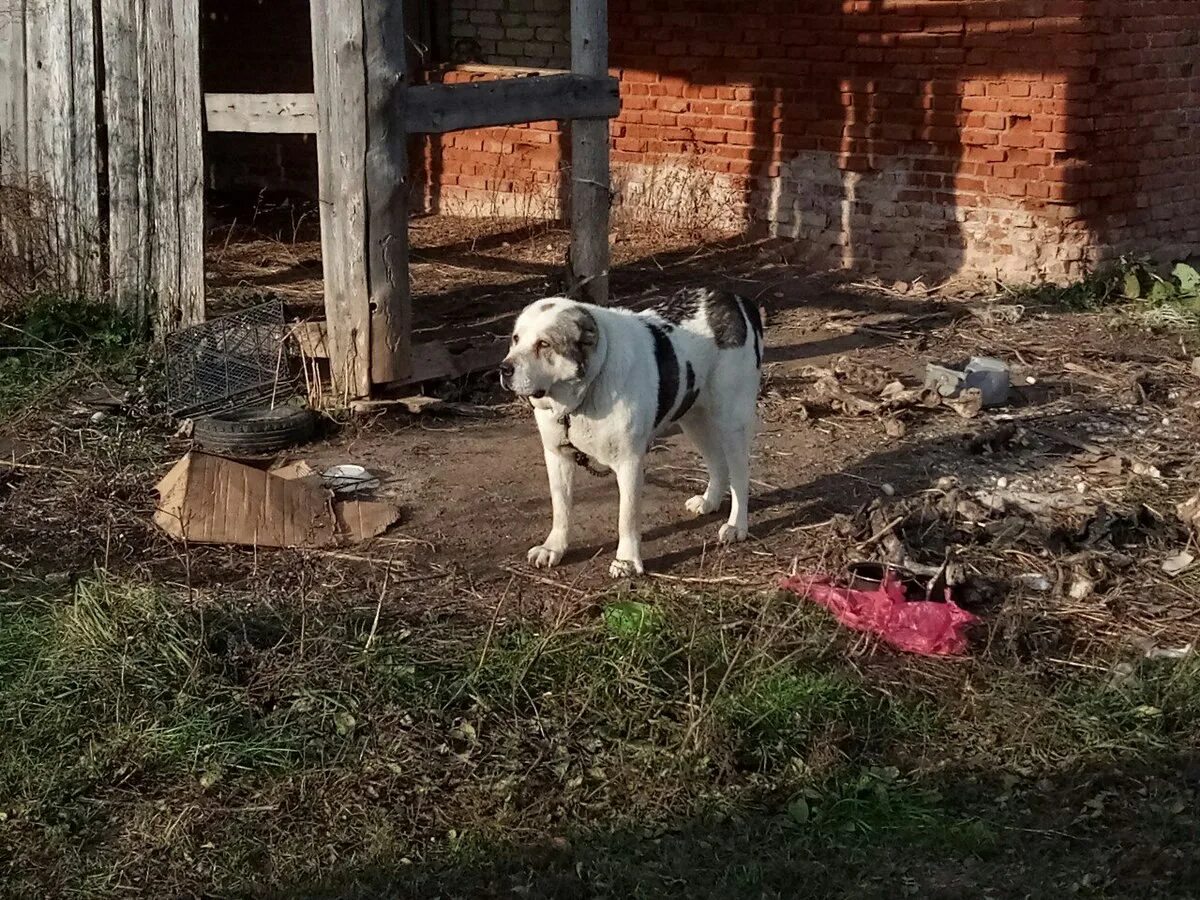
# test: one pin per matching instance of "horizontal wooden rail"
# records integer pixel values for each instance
(261, 113)
(438, 108)
(432, 108)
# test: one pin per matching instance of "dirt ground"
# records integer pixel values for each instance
(471, 485)
(1056, 513)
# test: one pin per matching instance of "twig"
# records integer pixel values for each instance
(32, 467)
(387, 574)
(487, 641)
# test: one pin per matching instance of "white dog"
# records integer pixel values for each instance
(604, 383)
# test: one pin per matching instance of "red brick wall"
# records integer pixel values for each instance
(1137, 182)
(1013, 137)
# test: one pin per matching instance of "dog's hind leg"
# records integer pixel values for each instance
(735, 440)
(701, 431)
(630, 477)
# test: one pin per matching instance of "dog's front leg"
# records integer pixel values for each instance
(560, 468)
(630, 476)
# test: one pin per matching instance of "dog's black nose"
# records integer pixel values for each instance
(506, 369)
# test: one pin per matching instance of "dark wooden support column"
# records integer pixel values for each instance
(387, 191)
(591, 192)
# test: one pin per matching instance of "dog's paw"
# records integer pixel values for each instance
(543, 557)
(700, 506)
(731, 534)
(624, 568)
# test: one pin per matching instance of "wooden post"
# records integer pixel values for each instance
(387, 187)
(358, 64)
(340, 87)
(590, 188)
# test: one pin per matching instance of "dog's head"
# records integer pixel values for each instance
(552, 346)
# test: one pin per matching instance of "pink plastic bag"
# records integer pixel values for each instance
(916, 626)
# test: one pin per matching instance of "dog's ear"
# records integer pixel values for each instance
(574, 335)
(589, 333)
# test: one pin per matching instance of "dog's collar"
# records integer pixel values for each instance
(581, 459)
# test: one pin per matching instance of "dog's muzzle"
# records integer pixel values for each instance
(507, 370)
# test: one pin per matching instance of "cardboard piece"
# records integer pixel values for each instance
(207, 499)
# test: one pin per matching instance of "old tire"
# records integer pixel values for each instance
(256, 429)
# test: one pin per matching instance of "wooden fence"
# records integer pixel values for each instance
(102, 108)
(122, 139)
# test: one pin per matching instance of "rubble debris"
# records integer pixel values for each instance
(986, 374)
(994, 439)
(967, 404)
(1189, 512)
(999, 313)
(1035, 581)
(1178, 564)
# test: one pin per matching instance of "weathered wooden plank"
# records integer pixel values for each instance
(189, 102)
(434, 360)
(591, 193)
(48, 68)
(84, 213)
(261, 113)
(386, 184)
(337, 27)
(128, 254)
(162, 162)
(13, 134)
(438, 108)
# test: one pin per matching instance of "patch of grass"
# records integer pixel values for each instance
(1155, 705)
(116, 681)
(240, 745)
(51, 339)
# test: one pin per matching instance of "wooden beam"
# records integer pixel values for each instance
(261, 113)
(339, 79)
(386, 190)
(438, 108)
(590, 191)
(431, 360)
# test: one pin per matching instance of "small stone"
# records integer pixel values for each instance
(1081, 487)
(888, 489)
(98, 417)
(1001, 482)
(1029, 379)
(1196, 366)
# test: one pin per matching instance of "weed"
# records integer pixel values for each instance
(1150, 297)
(54, 339)
(1098, 290)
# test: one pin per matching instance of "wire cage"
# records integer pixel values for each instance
(239, 359)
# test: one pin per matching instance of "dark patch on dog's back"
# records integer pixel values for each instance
(724, 314)
(668, 371)
(691, 392)
(680, 306)
(755, 319)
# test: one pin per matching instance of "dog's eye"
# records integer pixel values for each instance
(539, 346)
(515, 338)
